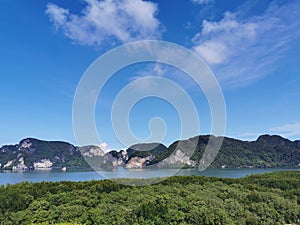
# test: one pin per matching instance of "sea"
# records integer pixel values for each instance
(54, 175)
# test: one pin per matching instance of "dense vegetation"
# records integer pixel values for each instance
(33, 150)
(156, 150)
(258, 199)
(266, 151)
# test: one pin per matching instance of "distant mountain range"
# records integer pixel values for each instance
(266, 151)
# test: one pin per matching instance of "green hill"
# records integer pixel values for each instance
(266, 151)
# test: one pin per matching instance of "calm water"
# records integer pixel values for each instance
(12, 177)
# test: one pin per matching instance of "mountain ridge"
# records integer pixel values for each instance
(266, 151)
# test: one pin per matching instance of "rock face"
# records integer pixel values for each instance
(266, 151)
(43, 164)
(91, 150)
(179, 158)
(21, 165)
(138, 162)
(32, 153)
(8, 164)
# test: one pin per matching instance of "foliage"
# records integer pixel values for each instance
(258, 199)
(266, 151)
(60, 153)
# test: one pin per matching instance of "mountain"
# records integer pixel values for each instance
(32, 153)
(266, 151)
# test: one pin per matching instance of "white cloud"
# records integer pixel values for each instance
(160, 69)
(287, 130)
(219, 41)
(213, 52)
(107, 20)
(104, 146)
(150, 69)
(241, 50)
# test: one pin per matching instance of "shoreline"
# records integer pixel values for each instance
(34, 176)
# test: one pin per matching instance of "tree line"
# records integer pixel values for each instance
(272, 198)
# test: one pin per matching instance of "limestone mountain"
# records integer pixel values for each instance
(266, 151)
(33, 153)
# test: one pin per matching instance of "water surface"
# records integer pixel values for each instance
(13, 177)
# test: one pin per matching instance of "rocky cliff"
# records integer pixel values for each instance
(266, 151)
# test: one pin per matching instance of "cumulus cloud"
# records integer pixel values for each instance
(218, 41)
(241, 50)
(213, 52)
(104, 146)
(107, 20)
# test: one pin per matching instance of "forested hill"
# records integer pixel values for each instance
(266, 151)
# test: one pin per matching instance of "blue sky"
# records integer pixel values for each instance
(251, 46)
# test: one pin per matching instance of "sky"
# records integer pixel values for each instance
(252, 47)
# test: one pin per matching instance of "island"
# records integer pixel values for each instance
(268, 151)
